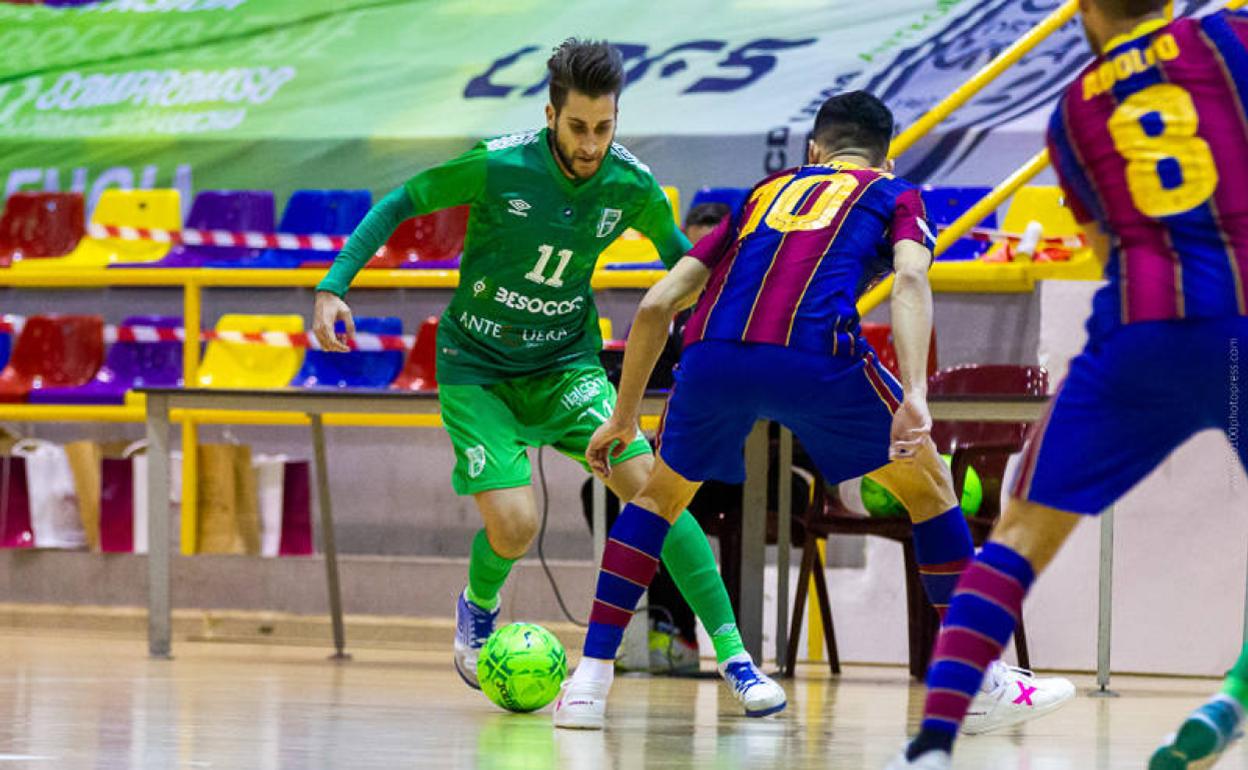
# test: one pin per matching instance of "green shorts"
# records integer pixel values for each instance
(491, 426)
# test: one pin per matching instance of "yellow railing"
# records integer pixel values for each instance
(991, 71)
(948, 276)
(984, 275)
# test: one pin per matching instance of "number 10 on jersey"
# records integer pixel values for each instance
(538, 273)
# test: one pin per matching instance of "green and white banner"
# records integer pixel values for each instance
(282, 94)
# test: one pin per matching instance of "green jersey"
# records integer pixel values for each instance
(524, 304)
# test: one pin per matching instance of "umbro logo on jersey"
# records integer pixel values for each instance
(519, 207)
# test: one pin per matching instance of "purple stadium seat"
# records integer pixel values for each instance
(233, 210)
(311, 212)
(128, 365)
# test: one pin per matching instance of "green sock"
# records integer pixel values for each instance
(1236, 684)
(689, 559)
(487, 571)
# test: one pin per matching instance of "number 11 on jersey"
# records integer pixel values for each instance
(538, 273)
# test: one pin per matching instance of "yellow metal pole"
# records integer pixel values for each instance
(991, 202)
(192, 322)
(964, 224)
(814, 616)
(989, 73)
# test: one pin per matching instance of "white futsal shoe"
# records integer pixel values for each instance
(1012, 695)
(758, 693)
(473, 626)
(932, 760)
(581, 705)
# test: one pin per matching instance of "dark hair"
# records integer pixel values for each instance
(591, 67)
(855, 121)
(706, 215)
(1130, 9)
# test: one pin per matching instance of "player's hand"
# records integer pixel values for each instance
(912, 424)
(609, 442)
(330, 309)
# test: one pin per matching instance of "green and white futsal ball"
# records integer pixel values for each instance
(521, 667)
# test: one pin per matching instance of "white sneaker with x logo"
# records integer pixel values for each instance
(1012, 695)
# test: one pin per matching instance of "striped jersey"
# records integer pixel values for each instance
(1151, 143)
(788, 268)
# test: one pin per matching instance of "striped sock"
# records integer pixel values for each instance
(943, 548)
(981, 619)
(629, 562)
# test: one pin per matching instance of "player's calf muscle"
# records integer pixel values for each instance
(1034, 531)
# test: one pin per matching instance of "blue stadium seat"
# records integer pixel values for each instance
(734, 197)
(6, 345)
(356, 369)
(311, 212)
(946, 204)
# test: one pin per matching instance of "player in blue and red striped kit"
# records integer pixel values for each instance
(776, 335)
(1150, 144)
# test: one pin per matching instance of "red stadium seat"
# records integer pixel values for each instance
(432, 240)
(420, 372)
(38, 225)
(53, 351)
(880, 337)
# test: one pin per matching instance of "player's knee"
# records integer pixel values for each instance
(512, 532)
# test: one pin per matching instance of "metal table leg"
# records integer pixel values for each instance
(159, 612)
(784, 518)
(1104, 626)
(328, 543)
(754, 540)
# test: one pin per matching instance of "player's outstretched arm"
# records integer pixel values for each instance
(678, 290)
(457, 182)
(912, 334)
(369, 236)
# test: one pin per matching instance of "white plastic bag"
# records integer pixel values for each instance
(137, 453)
(271, 480)
(54, 514)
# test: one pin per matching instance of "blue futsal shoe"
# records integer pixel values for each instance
(1206, 733)
(473, 625)
(758, 693)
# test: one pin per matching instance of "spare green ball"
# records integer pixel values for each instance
(879, 502)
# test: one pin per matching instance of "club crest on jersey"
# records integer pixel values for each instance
(476, 460)
(519, 207)
(610, 220)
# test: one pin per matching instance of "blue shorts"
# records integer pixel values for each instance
(1130, 399)
(841, 409)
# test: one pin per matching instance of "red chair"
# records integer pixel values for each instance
(434, 240)
(38, 225)
(53, 351)
(420, 371)
(986, 446)
(880, 337)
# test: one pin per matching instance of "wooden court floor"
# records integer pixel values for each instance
(100, 703)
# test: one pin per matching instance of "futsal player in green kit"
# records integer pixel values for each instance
(518, 345)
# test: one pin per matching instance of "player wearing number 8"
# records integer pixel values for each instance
(1150, 144)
